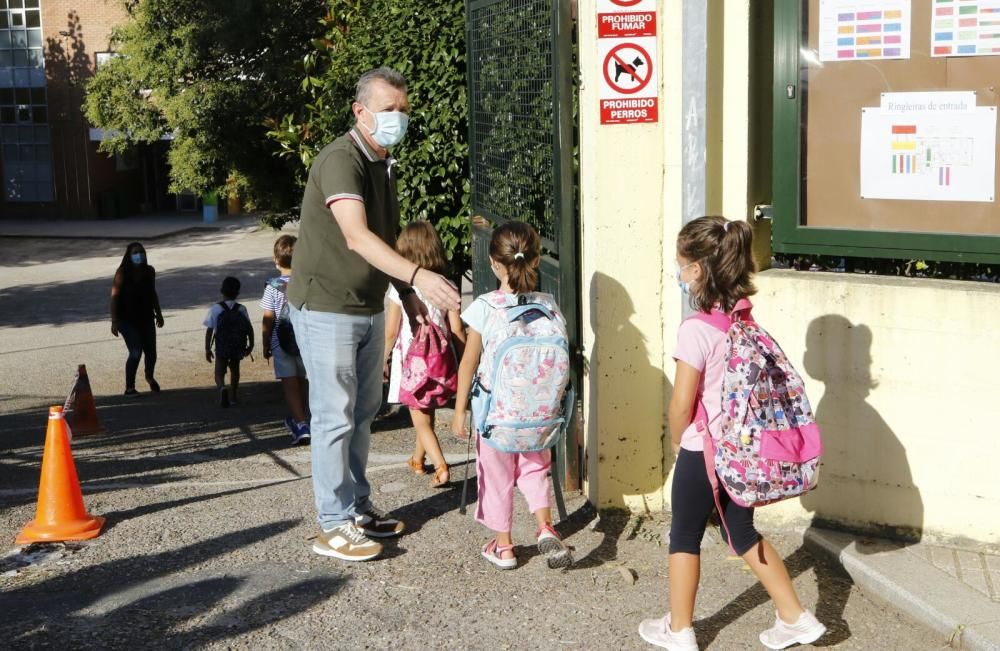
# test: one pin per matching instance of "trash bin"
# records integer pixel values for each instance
(210, 207)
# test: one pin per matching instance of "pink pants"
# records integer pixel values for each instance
(498, 473)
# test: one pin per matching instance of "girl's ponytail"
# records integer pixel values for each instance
(517, 247)
(723, 249)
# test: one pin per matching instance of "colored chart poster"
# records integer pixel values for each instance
(864, 29)
(929, 155)
(965, 28)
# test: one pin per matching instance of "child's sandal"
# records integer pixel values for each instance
(493, 552)
(441, 476)
(416, 466)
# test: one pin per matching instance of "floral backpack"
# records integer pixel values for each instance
(770, 445)
(429, 376)
(520, 397)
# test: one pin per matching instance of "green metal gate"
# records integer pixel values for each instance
(521, 131)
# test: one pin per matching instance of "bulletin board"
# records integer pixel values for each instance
(833, 94)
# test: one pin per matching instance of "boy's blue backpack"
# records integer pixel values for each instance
(520, 397)
(233, 333)
(283, 322)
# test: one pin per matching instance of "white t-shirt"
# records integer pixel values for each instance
(212, 318)
(477, 315)
(437, 316)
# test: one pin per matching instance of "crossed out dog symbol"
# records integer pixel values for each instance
(627, 69)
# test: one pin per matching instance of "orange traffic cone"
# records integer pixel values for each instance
(80, 406)
(60, 514)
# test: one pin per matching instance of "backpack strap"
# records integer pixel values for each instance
(515, 313)
(708, 454)
(225, 308)
(723, 321)
(716, 318)
(279, 285)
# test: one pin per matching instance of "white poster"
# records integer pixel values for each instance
(965, 28)
(929, 155)
(851, 30)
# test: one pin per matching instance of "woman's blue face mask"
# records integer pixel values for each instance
(137, 257)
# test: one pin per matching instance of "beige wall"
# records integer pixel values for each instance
(900, 375)
(622, 175)
(897, 369)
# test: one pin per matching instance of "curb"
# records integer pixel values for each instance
(115, 237)
(895, 577)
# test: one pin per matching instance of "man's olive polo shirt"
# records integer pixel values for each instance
(326, 275)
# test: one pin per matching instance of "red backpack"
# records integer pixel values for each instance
(430, 370)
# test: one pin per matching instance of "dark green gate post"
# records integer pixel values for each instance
(521, 126)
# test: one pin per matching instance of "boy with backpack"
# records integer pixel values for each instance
(228, 324)
(278, 341)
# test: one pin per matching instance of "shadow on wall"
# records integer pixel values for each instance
(865, 480)
(627, 408)
(66, 57)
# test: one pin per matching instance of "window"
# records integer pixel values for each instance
(821, 109)
(25, 149)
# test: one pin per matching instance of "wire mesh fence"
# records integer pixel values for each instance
(512, 112)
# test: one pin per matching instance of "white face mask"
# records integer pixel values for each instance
(390, 127)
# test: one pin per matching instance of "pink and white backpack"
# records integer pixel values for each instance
(770, 445)
(429, 370)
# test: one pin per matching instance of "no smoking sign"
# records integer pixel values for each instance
(626, 5)
(626, 18)
(628, 80)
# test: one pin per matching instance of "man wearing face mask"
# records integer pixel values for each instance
(343, 263)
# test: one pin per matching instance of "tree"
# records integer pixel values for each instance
(208, 73)
(425, 41)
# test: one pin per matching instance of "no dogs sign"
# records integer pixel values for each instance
(628, 80)
(626, 52)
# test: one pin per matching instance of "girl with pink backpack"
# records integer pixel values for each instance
(424, 371)
(715, 268)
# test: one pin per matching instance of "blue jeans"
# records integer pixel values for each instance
(140, 339)
(342, 354)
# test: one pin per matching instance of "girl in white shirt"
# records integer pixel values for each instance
(419, 243)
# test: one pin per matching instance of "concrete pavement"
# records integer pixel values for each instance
(145, 227)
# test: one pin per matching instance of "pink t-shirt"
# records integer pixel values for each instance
(704, 348)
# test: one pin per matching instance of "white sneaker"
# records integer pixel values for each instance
(806, 630)
(657, 632)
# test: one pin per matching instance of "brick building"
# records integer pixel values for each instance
(50, 164)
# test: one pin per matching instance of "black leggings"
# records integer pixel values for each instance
(692, 502)
(140, 339)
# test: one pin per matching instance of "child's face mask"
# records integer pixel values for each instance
(137, 257)
(685, 285)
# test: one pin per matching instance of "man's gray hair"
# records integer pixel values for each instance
(388, 75)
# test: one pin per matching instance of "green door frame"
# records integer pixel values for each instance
(560, 270)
